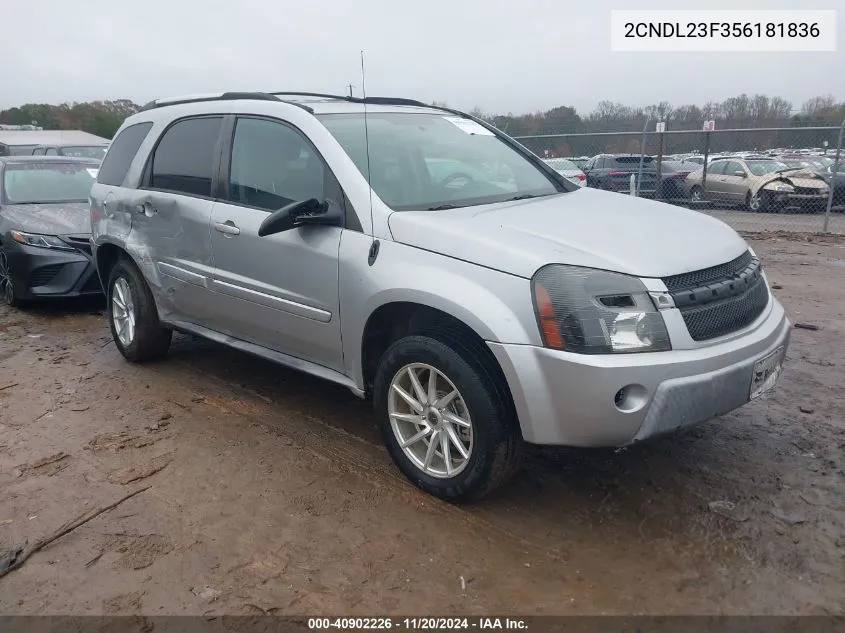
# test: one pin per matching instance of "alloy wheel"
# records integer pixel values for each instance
(123, 311)
(430, 420)
(6, 285)
(755, 202)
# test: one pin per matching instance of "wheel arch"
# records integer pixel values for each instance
(396, 319)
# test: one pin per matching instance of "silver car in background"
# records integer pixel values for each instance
(568, 170)
(428, 262)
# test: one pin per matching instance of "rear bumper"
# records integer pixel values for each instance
(569, 399)
(43, 273)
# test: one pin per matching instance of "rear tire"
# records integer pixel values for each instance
(493, 440)
(133, 318)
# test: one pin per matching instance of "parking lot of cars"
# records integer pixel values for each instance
(776, 181)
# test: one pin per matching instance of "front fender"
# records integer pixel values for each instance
(497, 306)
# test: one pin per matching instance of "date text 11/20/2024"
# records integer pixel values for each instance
(417, 624)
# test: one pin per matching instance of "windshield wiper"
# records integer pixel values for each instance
(524, 196)
(443, 207)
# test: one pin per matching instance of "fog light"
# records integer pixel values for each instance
(630, 398)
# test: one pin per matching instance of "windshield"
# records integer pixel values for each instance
(808, 163)
(763, 167)
(48, 182)
(85, 151)
(434, 161)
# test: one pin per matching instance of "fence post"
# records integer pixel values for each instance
(704, 173)
(642, 154)
(659, 193)
(833, 171)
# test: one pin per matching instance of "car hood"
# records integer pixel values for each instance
(804, 178)
(59, 218)
(588, 227)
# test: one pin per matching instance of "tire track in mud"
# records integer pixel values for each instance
(350, 453)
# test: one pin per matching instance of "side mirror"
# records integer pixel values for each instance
(295, 214)
(740, 173)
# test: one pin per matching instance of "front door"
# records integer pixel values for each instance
(278, 291)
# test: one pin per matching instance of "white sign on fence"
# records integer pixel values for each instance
(709, 126)
(661, 127)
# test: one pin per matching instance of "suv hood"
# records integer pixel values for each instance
(588, 227)
(58, 218)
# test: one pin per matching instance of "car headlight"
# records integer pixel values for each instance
(782, 187)
(591, 311)
(42, 241)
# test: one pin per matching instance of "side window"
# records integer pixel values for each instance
(183, 161)
(734, 167)
(273, 165)
(121, 153)
(51, 151)
(717, 168)
(38, 151)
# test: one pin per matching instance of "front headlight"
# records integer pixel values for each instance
(782, 187)
(42, 241)
(590, 311)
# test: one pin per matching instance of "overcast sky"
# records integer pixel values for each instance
(500, 55)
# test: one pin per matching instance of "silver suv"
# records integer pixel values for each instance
(429, 262)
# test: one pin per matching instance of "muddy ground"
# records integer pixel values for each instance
(271, 493)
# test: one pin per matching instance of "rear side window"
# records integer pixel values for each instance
(184, 160)
(121, 153)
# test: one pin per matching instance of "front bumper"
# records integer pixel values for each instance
(569, 399)
(42, 273)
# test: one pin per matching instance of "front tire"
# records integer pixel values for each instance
(696, 194)
(445, 418)
(133, 318)
(7, 284)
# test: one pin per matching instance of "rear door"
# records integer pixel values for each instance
(715, 185)
(279, 291)
(735, 186)
(171, 218)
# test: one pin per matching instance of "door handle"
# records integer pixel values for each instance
(146, 209)
(227, 228)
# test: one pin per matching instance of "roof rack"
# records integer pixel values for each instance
(367, 100)
(224, 96)
(276, 96)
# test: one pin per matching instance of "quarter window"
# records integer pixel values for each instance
(272, 166)
(184, 160)
(121, 153)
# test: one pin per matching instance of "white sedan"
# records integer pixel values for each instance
(568, 170)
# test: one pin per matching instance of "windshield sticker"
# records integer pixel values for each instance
(468, 126)
(93, 172)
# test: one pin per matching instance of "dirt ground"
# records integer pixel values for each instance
(271, 493)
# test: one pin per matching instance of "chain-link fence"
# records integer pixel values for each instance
(756, 179)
